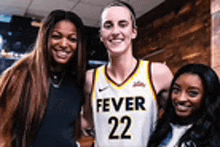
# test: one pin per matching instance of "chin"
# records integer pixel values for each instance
(62, 62)
(182, 115)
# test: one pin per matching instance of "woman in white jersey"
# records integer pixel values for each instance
(191, 118)
(121, 95)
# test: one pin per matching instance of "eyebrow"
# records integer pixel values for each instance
(71, 33)
(124, 20)
(191, 87)
(108, 21)
(175, 84)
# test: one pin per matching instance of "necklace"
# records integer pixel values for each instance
(57, 78)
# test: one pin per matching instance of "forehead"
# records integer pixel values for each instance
(116, 13)
(65, 26)
(188, 79)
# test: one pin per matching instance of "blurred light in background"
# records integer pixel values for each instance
(1, 41)
(5, 18)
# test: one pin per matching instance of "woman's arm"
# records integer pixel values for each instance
(86, 114)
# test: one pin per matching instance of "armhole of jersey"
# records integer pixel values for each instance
(151, 82)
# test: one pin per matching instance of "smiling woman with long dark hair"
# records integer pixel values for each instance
(191, 118)
(41, 94)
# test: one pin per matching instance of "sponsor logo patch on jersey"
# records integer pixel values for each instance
(139, 84)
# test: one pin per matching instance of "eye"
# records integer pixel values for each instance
(107, 25)
(55, 36)
(193, 93)
(123, 24)
(176, 90)
(73, 39)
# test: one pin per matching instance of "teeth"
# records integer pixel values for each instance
(116, 40)
(62, 54)
(182, 107)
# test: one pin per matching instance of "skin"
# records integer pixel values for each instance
(187, 95)
(63, 42)
(117, 33)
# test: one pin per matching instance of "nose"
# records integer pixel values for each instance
(115, 30)
(182, 97)
(64, 42)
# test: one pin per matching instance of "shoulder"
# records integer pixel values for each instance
(17, 67)
(15, 74)
(89, 75)
(161, 76)
(157, 67)
(206, 136)
(160, 68)
(214, 136)
(89, 80)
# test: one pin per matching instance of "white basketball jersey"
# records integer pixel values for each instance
(124, 115)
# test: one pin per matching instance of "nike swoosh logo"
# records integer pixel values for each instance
(102, 89)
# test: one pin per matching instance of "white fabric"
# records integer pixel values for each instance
(130, 108)
(177, 132)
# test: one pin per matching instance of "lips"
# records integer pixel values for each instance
(62, 54)
(181, 108)
(116, 41)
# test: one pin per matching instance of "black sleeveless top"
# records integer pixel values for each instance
(63, 109)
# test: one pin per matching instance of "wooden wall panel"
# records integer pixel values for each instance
(215, 44)
(177, 37)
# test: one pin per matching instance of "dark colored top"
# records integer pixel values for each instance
(63, 109)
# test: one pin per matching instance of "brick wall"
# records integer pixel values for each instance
(215, 43)
(176, 33)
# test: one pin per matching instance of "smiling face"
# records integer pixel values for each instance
(187, 95)
(117, 29)
(63, 42)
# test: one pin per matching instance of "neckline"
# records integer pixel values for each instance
(57, 78)
(187, 126)
(126, 79)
